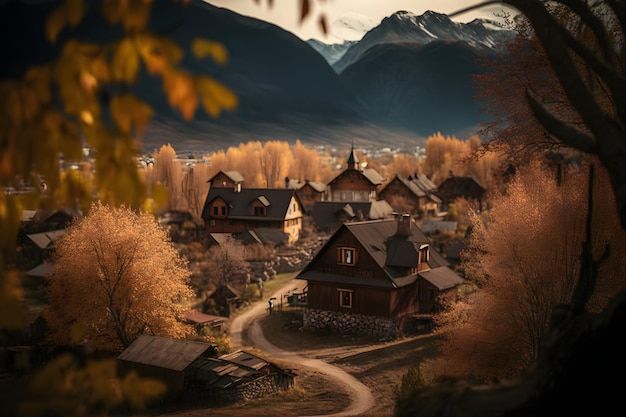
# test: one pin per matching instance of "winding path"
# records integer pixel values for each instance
(361, 395)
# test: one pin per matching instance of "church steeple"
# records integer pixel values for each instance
(353, 162)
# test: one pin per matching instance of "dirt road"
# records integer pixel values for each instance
(361, 395)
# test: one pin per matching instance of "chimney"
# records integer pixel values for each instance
(404, 225)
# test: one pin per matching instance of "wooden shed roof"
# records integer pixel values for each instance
(164, 352)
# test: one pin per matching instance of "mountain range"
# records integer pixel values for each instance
(405, 79)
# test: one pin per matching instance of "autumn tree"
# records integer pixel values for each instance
(306, 163)
(525, 265)
(116, 276)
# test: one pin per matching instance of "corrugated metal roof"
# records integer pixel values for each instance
(164, 352)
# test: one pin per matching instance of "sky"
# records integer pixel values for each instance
(285, 13)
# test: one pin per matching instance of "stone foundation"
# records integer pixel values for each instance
(379, 327)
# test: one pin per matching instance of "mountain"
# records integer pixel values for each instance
(287, 90)
(405, 26)
(425, 88)
(345, 31)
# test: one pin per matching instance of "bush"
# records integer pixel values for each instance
(412, 383)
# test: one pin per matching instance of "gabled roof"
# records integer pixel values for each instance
(197, 317)
(234, 176)
(276, 200)
(42, 270)
(263, 235)
(46, 239)
(325, 213)
(442, 278)
(298, 185)
(370, 174)
(389, 250)
(420, 185)
(164, 352)
(454, 187)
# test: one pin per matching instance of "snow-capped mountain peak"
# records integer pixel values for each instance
(351, 27)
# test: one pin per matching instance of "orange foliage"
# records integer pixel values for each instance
(524, 256)
(116, 276)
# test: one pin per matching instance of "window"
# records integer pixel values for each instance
(215, 210)
(345, 298)
(347, 256)
(259, 211)
(223, 210)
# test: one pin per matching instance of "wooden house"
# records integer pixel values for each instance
(354, 183)
(236, 210)
(414, 194)
(193, 368)
(378, 278)
(309, 193)
(453, 188)
(227, 179)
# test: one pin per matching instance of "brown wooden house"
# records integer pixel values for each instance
(453, 188)
(354, 183)
(378, 278)
(235, 210)
(309, 193)
(229, 179)
(416, 194)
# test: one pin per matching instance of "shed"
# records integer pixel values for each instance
(191, 368)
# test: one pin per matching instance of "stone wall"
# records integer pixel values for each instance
(382, 328)
(258, 388)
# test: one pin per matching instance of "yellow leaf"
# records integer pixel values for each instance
(179, 87)
(169, 49)
(55, 23)
(203, 47)
(129, 112)
(125, 62)
(215, 96)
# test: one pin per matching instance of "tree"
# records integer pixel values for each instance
(275, 160)
(116, 276)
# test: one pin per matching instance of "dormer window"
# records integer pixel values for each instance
(423, 258)
(260, 206)
(346, 256)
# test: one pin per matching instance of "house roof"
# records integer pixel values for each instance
(419, 185)
(392, 252)
(41, 270)
(164, 352)
(46, 239)
(326, 213)
(276, 200)
(369, 174)
(197, 317)
(431, 226)
(263, 235)
(454, 187)
(443, 278)
(231, 369)
(234, 176)
(298, 185)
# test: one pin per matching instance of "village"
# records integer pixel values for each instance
(365, 267)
